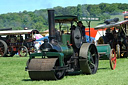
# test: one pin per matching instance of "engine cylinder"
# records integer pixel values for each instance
(56, 47)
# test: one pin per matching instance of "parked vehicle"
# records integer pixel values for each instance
(116, 35)
(12, 41)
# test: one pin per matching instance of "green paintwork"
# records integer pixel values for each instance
(35, 54)
(65, 38)
(67, 51)
(104, 49)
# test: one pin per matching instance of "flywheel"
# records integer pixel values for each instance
(76, 38)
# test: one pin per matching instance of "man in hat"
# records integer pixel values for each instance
(82, 27)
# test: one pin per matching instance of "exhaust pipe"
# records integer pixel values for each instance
(51, 22)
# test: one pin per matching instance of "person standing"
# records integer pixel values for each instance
(82, 27)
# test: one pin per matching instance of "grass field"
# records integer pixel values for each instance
(12, 72)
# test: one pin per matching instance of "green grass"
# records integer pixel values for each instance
(12, 72)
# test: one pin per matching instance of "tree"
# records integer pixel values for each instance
(70, 10)
(94, 10)
(58, 10)
(103, 7)
(105, 16)
(84, 10)
(79, 11)
(123, 6)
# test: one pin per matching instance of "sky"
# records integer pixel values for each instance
(10, 6)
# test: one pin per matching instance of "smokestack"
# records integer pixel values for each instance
(51, 22)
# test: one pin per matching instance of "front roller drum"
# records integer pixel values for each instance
(88, 58)
(45, 69)
(42, 75)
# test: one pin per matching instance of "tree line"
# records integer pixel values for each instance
(38, 18)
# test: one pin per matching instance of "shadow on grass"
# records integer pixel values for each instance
(27, 80)
(36, 80)
(103, 68)
(71, 75)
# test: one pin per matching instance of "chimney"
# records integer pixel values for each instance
(51, 22)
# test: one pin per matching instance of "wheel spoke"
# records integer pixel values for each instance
(92, 65)
(113, 58)
(94, 54)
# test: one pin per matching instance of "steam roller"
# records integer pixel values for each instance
(62, 55)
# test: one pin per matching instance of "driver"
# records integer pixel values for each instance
(82, 27)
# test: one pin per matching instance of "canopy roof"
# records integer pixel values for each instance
(65, 19)
(18, 32)
(102, 26)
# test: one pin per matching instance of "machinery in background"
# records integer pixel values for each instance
(11, 42)
(116, 35)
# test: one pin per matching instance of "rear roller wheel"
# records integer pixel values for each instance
(3, 48)
(88, 58)
(112, 59)
(22, 51)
